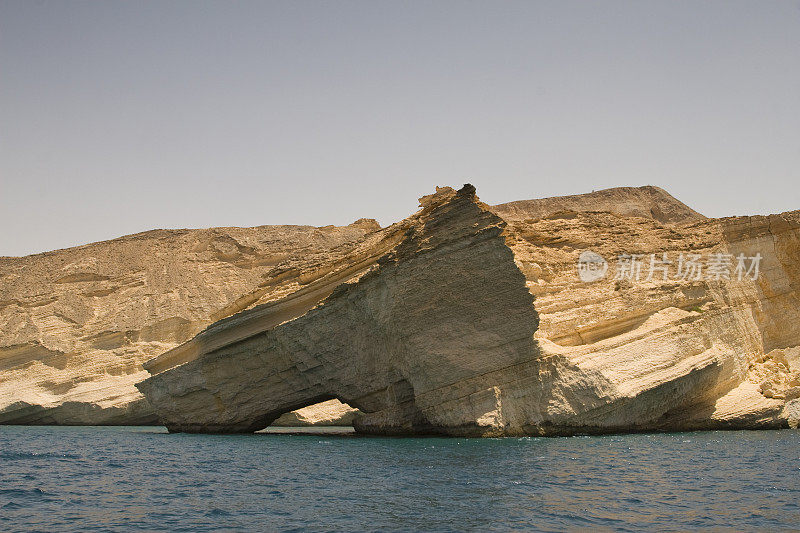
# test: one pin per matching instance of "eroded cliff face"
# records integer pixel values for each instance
(675, 354)
(430, 327)
(463, 319)
(77, 324)
(404, 339)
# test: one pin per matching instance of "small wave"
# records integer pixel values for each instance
(12, 506)
(21, 492)
(14, 456)
(25, 495)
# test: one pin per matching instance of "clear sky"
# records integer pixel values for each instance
(118, 117)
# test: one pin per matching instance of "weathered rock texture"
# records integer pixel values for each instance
(77, 324)
(329, 413)
(402, 337)
(643, 202)
(457, 321)
(427, 326)
(674, 354)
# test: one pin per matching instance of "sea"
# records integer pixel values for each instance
(145, 479)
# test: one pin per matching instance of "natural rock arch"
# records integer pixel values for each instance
(410, 340)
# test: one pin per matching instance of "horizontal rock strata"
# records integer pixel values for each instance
(77, 324)
(463, 319)
(457, 321)
(402, 341)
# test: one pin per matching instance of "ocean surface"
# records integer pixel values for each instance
(142, 478)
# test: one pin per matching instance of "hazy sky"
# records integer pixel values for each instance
(118, 117)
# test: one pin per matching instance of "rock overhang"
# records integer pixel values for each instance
(431, 328)
(420, 325)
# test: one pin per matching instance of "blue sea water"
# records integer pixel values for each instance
(142, 478)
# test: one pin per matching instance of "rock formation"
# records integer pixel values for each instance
(458, 322)
(642, 202)
(77, 324)
(463, 319)
(329, 413)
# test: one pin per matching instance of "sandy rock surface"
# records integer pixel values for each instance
(77, 324)
(463, 319)
(457, 321)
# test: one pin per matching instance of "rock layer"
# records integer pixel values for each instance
(329, 413)
(401, 340)
(430, 327)
(642, 202)
(77, 324)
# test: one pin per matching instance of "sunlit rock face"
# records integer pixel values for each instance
(458, 321)
(77, 324)
(328, 413)
(676, 353)
(646, 202)
(427, 326)
(410, 338)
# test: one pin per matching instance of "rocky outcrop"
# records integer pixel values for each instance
(458, 321)
(643, 202)
(677, 353)
(463, 319)
(401, 338)
(329, 413)
(77, 324)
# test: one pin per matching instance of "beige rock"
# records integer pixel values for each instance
(430, 326)
(792, 394)
(643, 202)
(329, 413)
(791, 412)
(77, 324)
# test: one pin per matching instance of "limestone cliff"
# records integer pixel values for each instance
(401, 337)
(676, 354)
(77, 324)
(427, 326)
(456, 321)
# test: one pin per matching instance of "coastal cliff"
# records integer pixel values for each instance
(463, 319)
(458, 322)
(77, 324)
